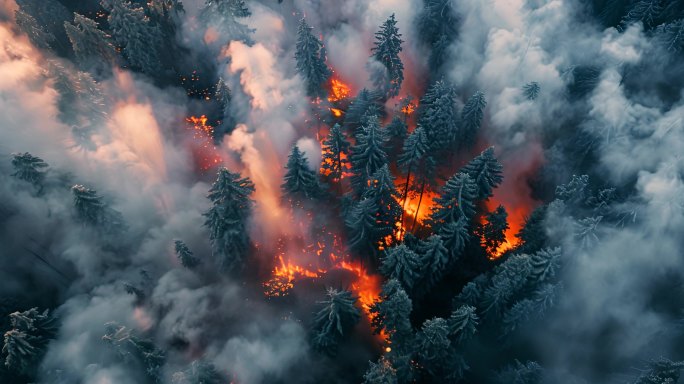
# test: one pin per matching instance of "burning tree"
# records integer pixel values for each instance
(369, 153)
(335, 159)
(310, 56)
(227, 218)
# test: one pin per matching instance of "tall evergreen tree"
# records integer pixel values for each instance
(381, 372)
(92, 210)
(225, 15)
(140, 40)
(386, 51)
(456, 201)
(661, 371)
(529, 372)
(437, 21)
(310, 56)
(485, 170)
(415, 148)
(335, 160)
(92, 47)
(404, 265)
(300, 182)
(463, 323)
(455, 235)
(646, 11)
(364, 231)
(369, 153)
(397, 128)
(434, 350)
(383, 193)
(493, 232)
(337, 316)
(471, 118)
(136, 351)
(438, 115)
(49, 16)
(224, 99)
(364, 104)
(531, 90)
(29, 168)
(227, 218)
(25, 343)
(391, 314)
(38, 34)
(434, 258)
(185, 255)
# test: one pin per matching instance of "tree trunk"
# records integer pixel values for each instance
(420, 200)
(403, 205)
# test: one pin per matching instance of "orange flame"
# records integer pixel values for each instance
(338, 90)
(204, 151)
(516, 220)
(337, 112)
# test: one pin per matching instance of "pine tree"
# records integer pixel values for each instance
(402, 264)
(575, 191)
(26, 342)
(49, 16)
(434, 258)
(528, 373)
(92, 47)
(362, 226)
(471, 118)
(383, 193)
(485, 171)
(92, 210)
(671, 35)
(509, 280)
(391, 314)
(39, 36)
(456, 201)
(300, 182)
(463, 323)
(661, 371)
(140, 39)
(438, 115)
(167, 15)
(368, 155)
(531, 90)
(337, 316)
(136, 351)
(455, 236)
(29, 168)
(227, 218)
(397, 128)
(185, 255)
(493, 232)
(310, 56)
(199, 372)
(434, 350)
(225, 15)
(533, 233)
(381, 372)
(415, 148)
(335, 160)
(437, 21)
(386, 51)
(645, 11)
(363, 104)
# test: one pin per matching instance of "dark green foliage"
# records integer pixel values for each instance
(415, 147)
(397, 129)
(471, 118)
(140, 40)
(92, 210)
(438, 115)
(224, 98)
(533, 233)
(531, 90)
(227, 218)
(391, 314)
(199, 372)
(529, 308)
(136, 351)
(366, 103)
(463, 323)
(29, 168)
(493, 232)
(310, 56)
(369, 153)
(434, 259)
(519, 373)
(455, 202)
(337, 316)
(435, 353)
(402, 264)
(39, 36)
(437, 26)
(381, 372)
(661, 371)
(471, 294)
(45, 21)
(361, 223)
(382, 191)
(26, 342)
(167, 15)
(386, 50)
(185, 255)
(486, 172)
(300, 182)
(455, 236)
(92, 47)
(335, 159)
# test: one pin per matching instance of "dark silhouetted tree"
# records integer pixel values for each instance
(386, 50)
(92, 210)
(438, 115)
(337, 316)
(486, 171)
(29, 168)
(185, 255)
(335, 159)
(493, 232)
(135, 351)
(531, 90)
(471, 118)
(463, 323)
(434, 258)
(456, 201)
(381, 372)
(521, 373)
(300, 182)
(26, 342)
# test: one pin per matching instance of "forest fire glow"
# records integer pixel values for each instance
(338, 90)
(516, 220)
(336, 112)
(203, 149)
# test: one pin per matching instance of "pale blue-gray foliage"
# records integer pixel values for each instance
(310, 57)
(381, 372)
(661, 371)
(92, 210)
(26, 342)
(434, 260)
(199, 372)
(486, 171)
(456, 201)
(386, 50)
(39, 36)
(404, 265)
(438, 115)
(471, 118)
(300, 182)
(463, 323)
(92, 47)
(338, 315)
(134, 350)
(369, 154)
(185, 255)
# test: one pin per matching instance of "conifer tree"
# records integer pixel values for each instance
(140, 39)
(397, 128)
(471, 118)
(493, 232)
(300, 182)
(437, 21)
(661, 371)
(360, 107)
(434, 350)
(369, 153)
(335, 160)
(38, 34)
(226, 15)
(185, 255)
(485, 170)
(199, 372)
(531, 90)
(167, 15)
(529, 372)
(391, 314)
(386, 51)
(26, 342)
(29, 168)
(92, 210)
(434, 258)
(227, 218)
(381, 372)
(671, 35)
(134, 350)
(455, 236)
(224, 98)
(310, 56)
(456, 201)
(402, 264)
(439, 116)
(362, 226)
(463, 323)
(415, 148)
(49, 16)
(646, 11)
(383, 193)
(533, 233)
(337, 316)
(92, 47)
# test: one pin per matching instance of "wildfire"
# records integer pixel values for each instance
(338, 90)
(408, 109)
(337, 112)
(516, 220)
(204, 151)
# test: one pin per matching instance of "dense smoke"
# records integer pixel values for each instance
(571, 89)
